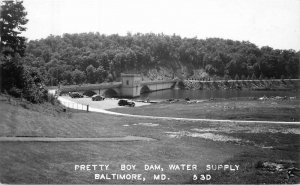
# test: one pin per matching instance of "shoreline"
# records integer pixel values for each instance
(254, 85)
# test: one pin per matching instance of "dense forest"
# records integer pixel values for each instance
(95, 58)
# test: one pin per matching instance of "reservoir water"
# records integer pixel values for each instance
(207, 94)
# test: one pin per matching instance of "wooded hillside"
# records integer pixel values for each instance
(94, 58)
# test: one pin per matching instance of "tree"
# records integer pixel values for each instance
(78, 76)
(12, 46)
(100, 74)
(210, 69)
(90, 74)
(33, 90)
(67, 76)
(103, 61)
(12, 24)
(56, 74)
(13, 72)
(236, 77)
(110, 78)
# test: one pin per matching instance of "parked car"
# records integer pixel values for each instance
(75, 95)
(97, 97)
(126, 103)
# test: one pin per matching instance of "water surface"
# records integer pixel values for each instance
(206, 94)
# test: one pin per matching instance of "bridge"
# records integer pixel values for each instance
(130, 86)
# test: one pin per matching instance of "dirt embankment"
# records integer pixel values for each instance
(242, 84)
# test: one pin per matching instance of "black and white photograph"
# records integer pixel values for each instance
(149, 92)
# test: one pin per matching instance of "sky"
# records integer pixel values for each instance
(274, 23)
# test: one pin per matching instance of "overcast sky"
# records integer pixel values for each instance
(275, 23)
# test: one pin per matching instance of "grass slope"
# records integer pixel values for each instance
(44, 162)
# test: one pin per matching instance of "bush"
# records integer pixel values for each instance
(51, 98)
(236, 77)
(21, 81)
(33, 91)
(15, 92)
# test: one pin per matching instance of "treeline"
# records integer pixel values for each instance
(95, 58)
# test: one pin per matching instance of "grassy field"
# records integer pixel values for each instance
(242, 109)
(177, 142)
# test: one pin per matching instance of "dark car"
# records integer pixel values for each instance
(75, 95)
(126, 103)
(97, 97)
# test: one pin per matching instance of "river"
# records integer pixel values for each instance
(207, 94)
